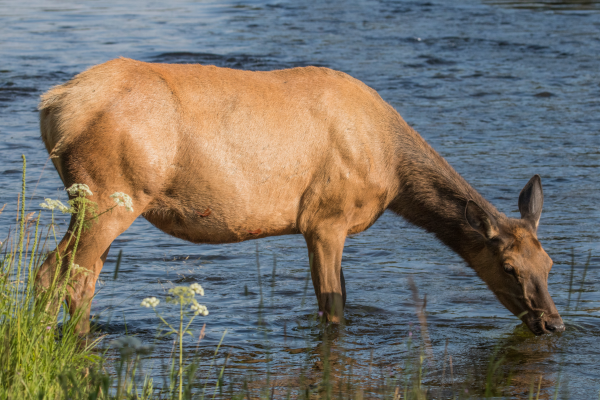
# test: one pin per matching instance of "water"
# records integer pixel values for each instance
(502, 89)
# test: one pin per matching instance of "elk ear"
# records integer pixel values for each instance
(531, 200)
(481, 221)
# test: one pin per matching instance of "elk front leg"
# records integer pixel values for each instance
(325, 244)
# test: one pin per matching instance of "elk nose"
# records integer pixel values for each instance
(555, 326)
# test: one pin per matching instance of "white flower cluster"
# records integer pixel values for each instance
(50, 204)
(122, 199)
(80, 270)
(196, 288)
(199, 309)
(79, 189)
(150, 302)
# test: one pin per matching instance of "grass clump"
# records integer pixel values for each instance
(42, 356)
(34, 349)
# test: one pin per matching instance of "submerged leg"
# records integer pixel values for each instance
(325, 242)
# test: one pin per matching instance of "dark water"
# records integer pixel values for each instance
(502, 89)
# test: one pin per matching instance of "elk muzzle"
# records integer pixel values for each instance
(543, 317)
(554, 324)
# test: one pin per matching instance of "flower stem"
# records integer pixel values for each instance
(95, 217)
(78, 228)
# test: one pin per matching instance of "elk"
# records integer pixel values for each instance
(215, 155)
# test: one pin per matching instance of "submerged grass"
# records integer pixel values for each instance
(41, 357)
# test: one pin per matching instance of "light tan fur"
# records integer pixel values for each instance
(214, 155)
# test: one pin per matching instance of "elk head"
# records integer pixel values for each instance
(513, 263)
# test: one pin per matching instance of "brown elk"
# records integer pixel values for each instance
(215, 155)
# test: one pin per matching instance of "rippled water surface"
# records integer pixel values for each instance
(502, 89)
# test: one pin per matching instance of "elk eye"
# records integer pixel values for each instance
(509, 269)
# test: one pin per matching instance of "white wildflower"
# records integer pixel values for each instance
(122, 199)
(50, 204)
(79, 269)
(196, 288)
(79, 189)
(149, 302)
(199, 309)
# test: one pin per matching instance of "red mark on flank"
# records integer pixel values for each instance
(206, 213)
(256, 232)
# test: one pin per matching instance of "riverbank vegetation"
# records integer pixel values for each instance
(42, 357)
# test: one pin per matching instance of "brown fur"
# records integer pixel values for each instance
(214, 155)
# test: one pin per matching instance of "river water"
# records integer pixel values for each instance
(502, 89)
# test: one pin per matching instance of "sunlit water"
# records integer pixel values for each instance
(502, 89)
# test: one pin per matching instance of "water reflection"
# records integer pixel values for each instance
(557, 5)
(516, 365)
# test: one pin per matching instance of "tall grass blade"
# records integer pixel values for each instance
(119, 257)
(587, 264)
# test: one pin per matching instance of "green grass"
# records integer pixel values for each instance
(34, 349)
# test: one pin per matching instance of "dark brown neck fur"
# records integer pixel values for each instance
(432, 195)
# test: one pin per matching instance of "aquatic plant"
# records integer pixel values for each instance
(182, 296)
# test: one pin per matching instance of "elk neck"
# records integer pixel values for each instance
(432, 195)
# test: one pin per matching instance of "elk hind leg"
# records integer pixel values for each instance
(80, 301)
(90, 255)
